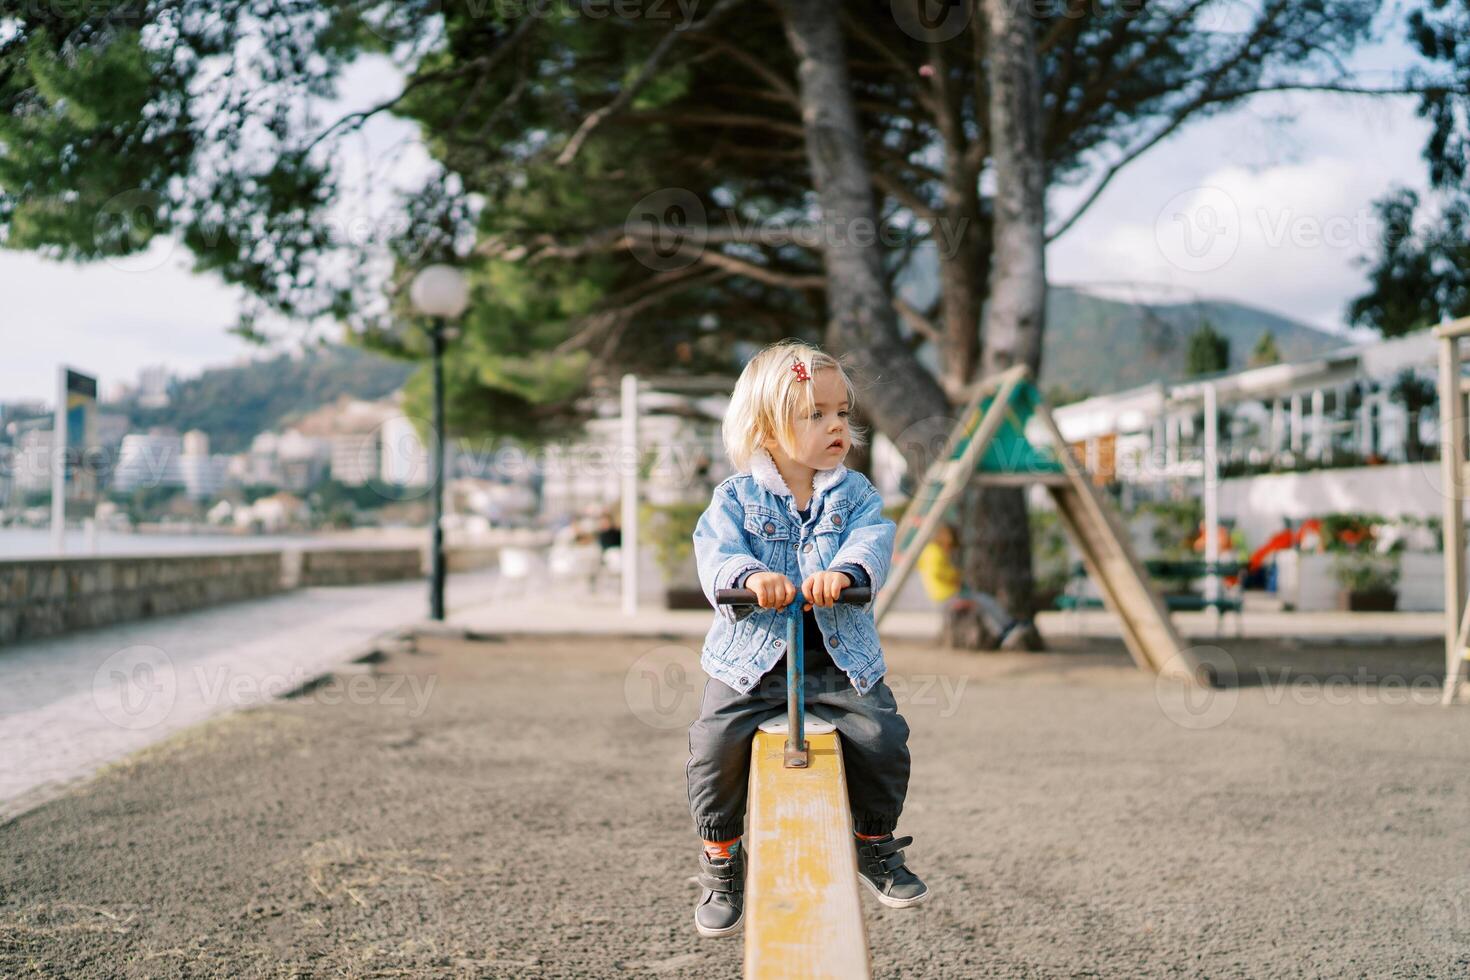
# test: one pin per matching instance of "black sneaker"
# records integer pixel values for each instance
(881, 868)
(721, 907)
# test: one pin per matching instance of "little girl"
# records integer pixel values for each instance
(794, 514)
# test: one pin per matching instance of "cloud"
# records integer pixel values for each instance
(1250, 208)
(108, 321)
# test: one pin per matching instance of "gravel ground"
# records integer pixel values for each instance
(518, 809)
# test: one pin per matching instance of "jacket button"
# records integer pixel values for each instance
(779, 644)
(807, 548)
(837, 519)
(835, 641)
(770, 527)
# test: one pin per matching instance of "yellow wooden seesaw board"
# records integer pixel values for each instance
(803, 916)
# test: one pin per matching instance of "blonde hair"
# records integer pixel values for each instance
(768, 395)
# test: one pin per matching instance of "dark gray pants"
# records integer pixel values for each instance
(873, 734)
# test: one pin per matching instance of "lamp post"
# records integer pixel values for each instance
(440, 293)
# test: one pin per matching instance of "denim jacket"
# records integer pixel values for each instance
(752, 524)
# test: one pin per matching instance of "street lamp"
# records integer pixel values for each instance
(440, 293)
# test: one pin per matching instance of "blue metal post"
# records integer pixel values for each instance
(795, 756)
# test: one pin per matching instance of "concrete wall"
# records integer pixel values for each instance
(1258, 503)
(45, 597)
(1306, 582)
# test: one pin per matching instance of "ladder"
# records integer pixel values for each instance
(1455, 485)
(989, 444)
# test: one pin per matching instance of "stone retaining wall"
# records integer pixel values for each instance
(44, 597)
(360, 566)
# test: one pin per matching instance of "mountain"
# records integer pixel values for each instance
(1099, 341)
(1095, 344)
(233, 404)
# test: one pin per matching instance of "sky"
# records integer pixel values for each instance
(1267, 205)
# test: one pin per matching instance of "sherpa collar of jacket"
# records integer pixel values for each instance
(763, 469)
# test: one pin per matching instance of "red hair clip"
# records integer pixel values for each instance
(800, 370)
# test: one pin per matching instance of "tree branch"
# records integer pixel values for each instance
(649, 67)
(760, 273)
(920, 323)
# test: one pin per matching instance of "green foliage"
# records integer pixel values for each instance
(231, 405)
(1365, 572)
(1413, 392)
(1348, 531)
(1265, 352)
(1176, 525)
(145, 504)
(1209, 351)
(1049, 551)
(671, 529)
(120, 122)
(1419, 276)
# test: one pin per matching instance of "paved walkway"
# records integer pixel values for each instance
(71, 704)
(525, 815)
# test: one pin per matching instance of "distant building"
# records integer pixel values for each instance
(11, 411)
(289, 460)
(278, 512)
(149, 460)
(153, 385)
(31, 464)
(7, 475)
(404, 461)
(367, 439)
(356, 458)
(196, 443)
(678, 435)
(111, 428)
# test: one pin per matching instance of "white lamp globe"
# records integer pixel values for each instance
(440, 290)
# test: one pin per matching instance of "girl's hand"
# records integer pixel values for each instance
(772, 589)
(823, 588)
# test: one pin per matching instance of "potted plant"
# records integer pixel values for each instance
(1367, 582)
(671, 529)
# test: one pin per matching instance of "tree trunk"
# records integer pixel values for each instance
(904, 400)
(996, 534)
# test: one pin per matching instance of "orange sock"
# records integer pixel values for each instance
(719, 848)
(870, 836)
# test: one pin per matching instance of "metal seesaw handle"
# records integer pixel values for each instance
(796, 746)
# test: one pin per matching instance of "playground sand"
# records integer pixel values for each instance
(521, 812)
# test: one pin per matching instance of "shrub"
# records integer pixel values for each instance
(1358, 571)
